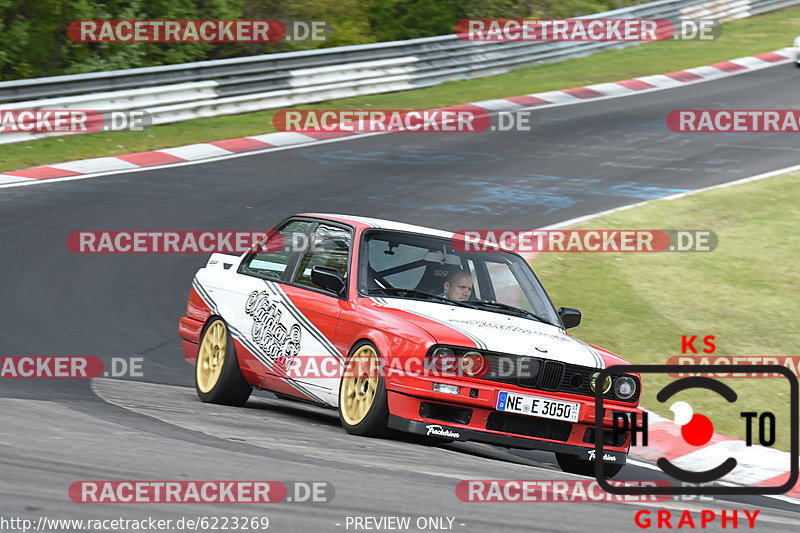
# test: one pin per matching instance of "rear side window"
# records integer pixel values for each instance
(330, 247)
(272, 265)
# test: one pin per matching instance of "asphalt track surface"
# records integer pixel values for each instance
(579, 159)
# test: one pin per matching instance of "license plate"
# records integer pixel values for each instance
(511, 402)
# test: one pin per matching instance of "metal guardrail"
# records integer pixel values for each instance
(185, 91)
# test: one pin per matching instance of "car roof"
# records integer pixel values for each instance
(368, 222)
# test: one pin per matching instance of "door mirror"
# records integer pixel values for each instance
(570, 317)
(328, 279)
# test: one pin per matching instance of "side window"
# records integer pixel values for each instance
(329, 247)
(273, 264)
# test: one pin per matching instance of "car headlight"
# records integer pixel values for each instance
(624, 387)
(474, 364)
(443, 359)
(443, 351)
(593, 383)
(458, 361)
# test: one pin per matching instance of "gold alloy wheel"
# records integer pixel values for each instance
(211, 356)
(359, 385)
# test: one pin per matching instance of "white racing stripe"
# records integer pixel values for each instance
(478, 342)
(503, 333)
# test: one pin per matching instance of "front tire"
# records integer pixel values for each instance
(573, 465)
(363, 406)
(217, 377)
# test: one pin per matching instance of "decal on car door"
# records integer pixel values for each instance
(247, 338)
(279, 344)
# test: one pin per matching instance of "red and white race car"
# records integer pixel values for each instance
(401, 328)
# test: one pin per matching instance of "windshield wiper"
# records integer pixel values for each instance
(506, 307)
(399, 291)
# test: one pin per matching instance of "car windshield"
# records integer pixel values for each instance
(408, 265)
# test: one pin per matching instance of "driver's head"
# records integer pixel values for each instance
(458, 285)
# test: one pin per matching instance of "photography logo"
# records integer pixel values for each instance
(697, 429)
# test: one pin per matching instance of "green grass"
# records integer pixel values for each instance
(745, 292)
(739, 38)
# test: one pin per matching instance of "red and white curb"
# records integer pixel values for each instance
(757, 465)
(283, 140)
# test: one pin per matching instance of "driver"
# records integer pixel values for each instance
(458, 286)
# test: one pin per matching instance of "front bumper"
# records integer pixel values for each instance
(463, 434)
(472, 416)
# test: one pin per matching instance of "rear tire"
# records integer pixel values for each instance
(217, 377)
(573, 465)
(363, 405)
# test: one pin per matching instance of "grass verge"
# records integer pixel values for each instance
(740, 38)
(744, 292)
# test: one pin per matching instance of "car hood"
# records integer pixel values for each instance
(493, 331)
